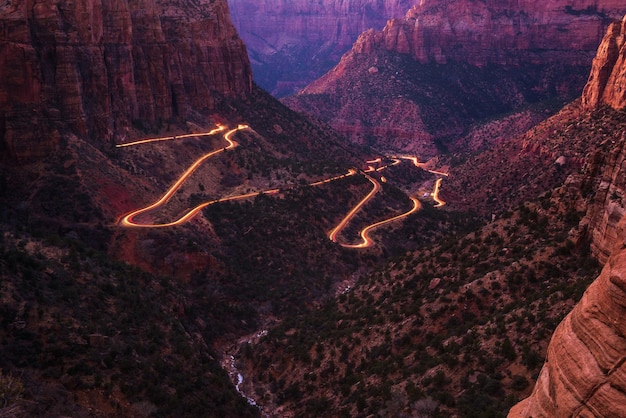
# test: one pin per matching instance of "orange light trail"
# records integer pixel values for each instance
(127, 220)
(170, 138)
(435, 194)
(367, 241)
(332, 235)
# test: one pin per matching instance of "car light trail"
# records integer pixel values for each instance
(366, 241)
(127, 220)
(435, 194)
(219, 128)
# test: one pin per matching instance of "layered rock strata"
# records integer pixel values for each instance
(97, 67)
(607, 82)
(509, 33)
(585, 373)
(293, 42)
(461, 63)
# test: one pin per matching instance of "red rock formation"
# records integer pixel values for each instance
(98, 66)
(462, 62)
(293, 42)
(607, 82)
(585, 372)
(507, 33)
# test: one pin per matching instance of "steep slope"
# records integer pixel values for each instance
(102, 320)
(100, 68)
(460, 328)
(291, 43)
(584, 369)
(447, 66)
(462, 324)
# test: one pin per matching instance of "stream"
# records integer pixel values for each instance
(230, 365)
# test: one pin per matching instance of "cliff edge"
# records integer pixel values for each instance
(585, 373)
(97, 68)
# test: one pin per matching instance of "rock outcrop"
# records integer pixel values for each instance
(503, 32)
(459, 63)
(293, 42)
(509, 33)
(97, 67)
(585, 370)
(607, 82)
(585, 373)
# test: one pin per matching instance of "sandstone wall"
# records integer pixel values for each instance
(293, 42)
(607, 81)
(508, 33)
(98, 66)
(584, 373)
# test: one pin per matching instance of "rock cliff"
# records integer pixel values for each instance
(461, 63)
(508, 33)
(584, 372)
(99, 66)
(607, 82)
(291, 43)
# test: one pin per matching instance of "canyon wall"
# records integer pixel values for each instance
(607, 81)
(293, 42)
(455, 64)
(97, 67)
(584, 373)
(501, 32)
(508, 33)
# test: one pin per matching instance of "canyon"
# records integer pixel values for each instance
(449, 311)
(438, 64)
(291, 43)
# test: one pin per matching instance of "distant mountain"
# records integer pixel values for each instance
(99, 69)
(291, 43)
(424, 80)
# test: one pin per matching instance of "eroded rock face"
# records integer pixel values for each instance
(507, 33)
(607, 82)
(293, 42)
(98, 66)
(585, 372)
(605, 219)
(459, 63)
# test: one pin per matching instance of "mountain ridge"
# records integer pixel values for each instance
(57, 58)
(442, 60)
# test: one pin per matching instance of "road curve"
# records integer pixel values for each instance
(435, 194)
(332, 235)
(366, 240)
(127, 220)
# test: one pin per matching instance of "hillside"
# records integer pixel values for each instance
(425, 81)
(292, 43)
(460, 327)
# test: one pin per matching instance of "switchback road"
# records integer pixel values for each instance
(129, 221)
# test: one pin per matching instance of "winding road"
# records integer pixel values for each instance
(129, 221)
